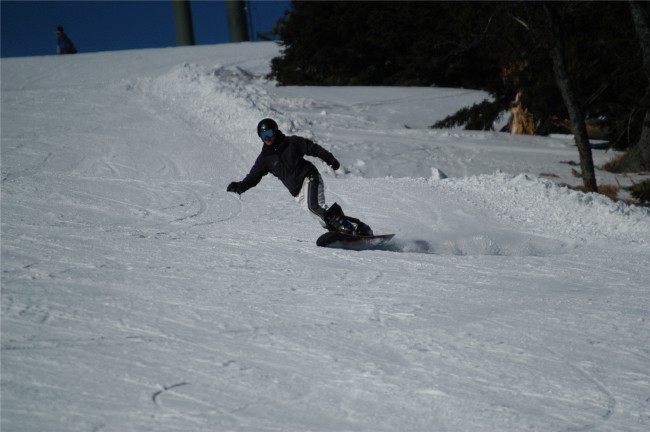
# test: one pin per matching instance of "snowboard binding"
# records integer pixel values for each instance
(337, 221)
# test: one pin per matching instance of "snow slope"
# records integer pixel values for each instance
(138, 295)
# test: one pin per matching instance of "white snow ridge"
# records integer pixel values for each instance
(138, 295)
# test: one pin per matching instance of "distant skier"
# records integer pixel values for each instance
(283, 156)
(63, 43)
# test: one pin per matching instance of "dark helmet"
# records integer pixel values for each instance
(266, 125)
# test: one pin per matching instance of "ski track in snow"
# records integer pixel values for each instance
(138, 295)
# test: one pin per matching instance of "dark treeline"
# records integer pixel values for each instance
(499, 47)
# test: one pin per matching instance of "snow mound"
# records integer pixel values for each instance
(548, 208)
(210, 99)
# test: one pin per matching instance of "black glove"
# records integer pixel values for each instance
(334, 163)
(235, 187)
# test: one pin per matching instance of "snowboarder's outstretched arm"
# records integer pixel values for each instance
(255, 175)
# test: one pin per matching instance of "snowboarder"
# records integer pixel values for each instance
(283, 156)
(63, 43)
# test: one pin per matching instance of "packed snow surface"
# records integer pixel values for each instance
(138, 295)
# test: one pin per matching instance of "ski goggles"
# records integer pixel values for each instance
(266, 134)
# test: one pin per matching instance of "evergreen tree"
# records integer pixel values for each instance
(500, 47)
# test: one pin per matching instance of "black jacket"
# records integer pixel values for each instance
(284, 159)
(64, 45)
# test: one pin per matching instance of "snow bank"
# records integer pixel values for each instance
(548, 208)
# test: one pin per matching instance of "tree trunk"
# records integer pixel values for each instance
(639, 12)
(638, 157)
(556, 51)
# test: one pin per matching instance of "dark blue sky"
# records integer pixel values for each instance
(28, 26)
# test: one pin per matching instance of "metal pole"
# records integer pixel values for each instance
(183, 22)
(237, 24)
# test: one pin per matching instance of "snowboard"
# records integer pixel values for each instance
(334, 239)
